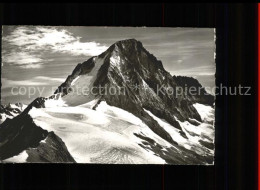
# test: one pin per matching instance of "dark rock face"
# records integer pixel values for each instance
(52, 150)
(197, 94)
(37, 103)
(181, 155)
(136, 67)
(21, 133)
(18, 134)
(209, 145)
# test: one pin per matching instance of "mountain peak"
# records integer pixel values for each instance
(126, 45)
(131, 49)
(128, 41)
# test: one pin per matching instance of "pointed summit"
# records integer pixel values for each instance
(128, 44)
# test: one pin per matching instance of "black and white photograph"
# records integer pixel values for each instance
(107, 95)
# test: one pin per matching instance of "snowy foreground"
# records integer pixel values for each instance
(108, 134)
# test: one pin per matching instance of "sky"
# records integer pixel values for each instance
(43, 56)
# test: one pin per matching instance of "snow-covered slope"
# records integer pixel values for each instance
(81, 86)
(20, 158)
(102, 136)
(112, 135)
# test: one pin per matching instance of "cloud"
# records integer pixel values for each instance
(25, 46)
(179, 61)
(79, 48)
(35, 81)
(22, 59)
(6, 83)
(50, 78)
